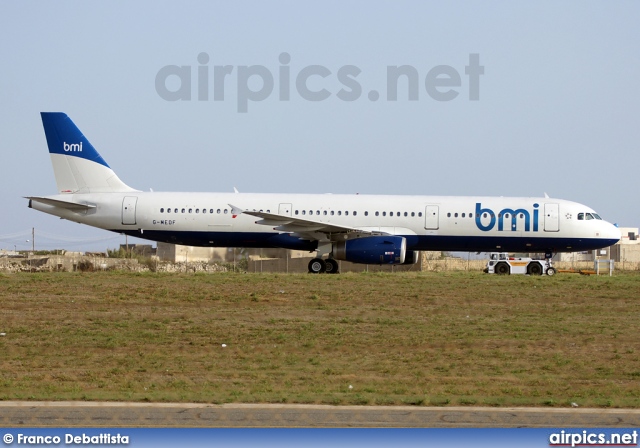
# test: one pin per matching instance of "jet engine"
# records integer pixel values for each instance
(372, 250)
(411, 257)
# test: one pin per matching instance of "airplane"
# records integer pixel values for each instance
(368, 229)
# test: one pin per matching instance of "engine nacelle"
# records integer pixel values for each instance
(372, 250)
(412, 257)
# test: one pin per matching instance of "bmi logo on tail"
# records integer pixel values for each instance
(73, 147)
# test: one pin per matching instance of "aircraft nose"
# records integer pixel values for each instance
(610, 232)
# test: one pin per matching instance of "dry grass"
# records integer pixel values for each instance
(423, 339)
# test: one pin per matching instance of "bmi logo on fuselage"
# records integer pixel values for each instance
(486, 218)
(73, 147)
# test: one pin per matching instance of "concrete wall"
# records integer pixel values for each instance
(79, 263)
(65, 263)
(625, 253)
(300, 265)
(429, 262)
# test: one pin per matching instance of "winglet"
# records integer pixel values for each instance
(235, 211)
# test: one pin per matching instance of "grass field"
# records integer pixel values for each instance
(389, 339)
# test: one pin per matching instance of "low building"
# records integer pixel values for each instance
(176, 253)
(628, 249)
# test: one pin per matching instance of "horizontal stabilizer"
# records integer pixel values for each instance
(61, 204)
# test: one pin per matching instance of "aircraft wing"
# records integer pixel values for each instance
(303, 227)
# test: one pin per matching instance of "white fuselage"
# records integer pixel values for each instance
(427, 222)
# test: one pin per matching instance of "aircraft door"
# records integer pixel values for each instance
(431, 218)
(129, 210)
(284, 209)
(551, 221)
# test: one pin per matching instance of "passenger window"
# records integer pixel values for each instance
(470, 215)
(448, 215)
(346, 213)
(366, 213)
(219, 211)
(339, 213)
(384, 213)
(390, 213)
(413, 214)
(168, 210)
(175, 210)
(304, 212)
(455, 215)
(332, 212)
(161, 210)
(324, 213)
(355, 213)
(296, 212)
(211, 210)
(377, 213)
(420, 214)
(197, 210)
(183, 210)
(225, 211)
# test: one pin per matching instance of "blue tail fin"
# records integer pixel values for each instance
(77, 166)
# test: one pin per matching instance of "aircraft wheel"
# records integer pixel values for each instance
(551, 271)
(535, 269)
(331, 266)
(502, 269)
(317, 266)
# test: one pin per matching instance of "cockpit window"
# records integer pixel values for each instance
(580, 216)
(595, 215)
(589, 216)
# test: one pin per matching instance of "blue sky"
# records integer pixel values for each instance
(556, 110)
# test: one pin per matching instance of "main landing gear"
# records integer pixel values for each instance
(319, 266)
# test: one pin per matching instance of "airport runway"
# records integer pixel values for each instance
(106, 414)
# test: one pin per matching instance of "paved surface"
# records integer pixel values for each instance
(94, 414)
